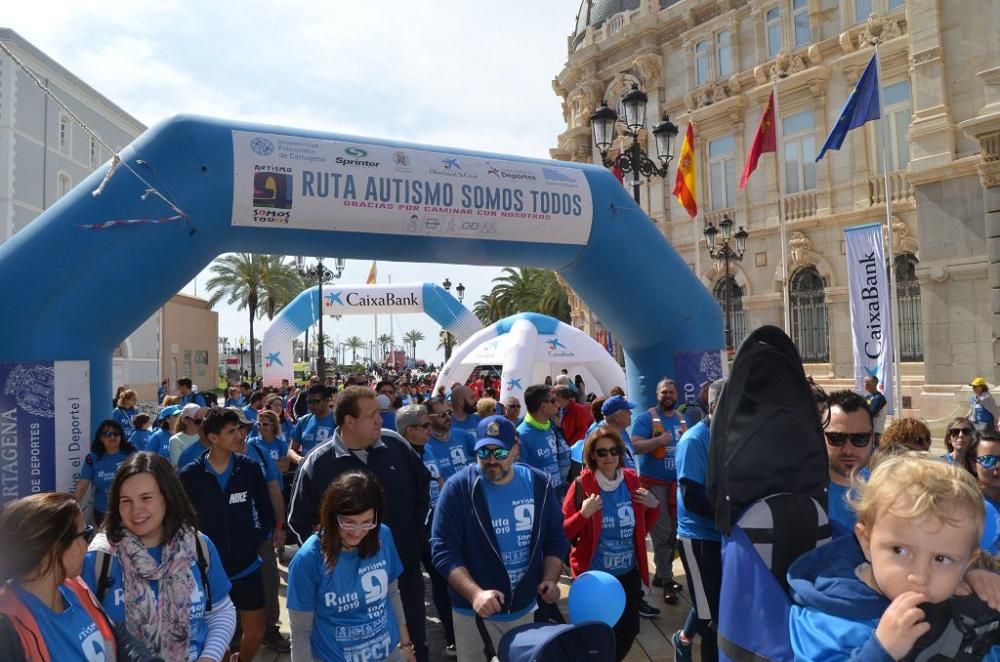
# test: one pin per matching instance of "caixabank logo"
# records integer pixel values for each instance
(272, 196)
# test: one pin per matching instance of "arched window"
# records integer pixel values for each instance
(810, 330)
(739, 322)
(911, 337)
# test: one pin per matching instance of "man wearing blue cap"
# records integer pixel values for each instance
(617, 413)
(505, 551)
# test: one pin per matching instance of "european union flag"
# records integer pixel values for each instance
(861, 107)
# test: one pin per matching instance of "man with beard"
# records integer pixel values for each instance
(655, 434)
(498, 539)
(463, 405)
(849, 445)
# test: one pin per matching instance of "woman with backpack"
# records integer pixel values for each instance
(343, 597)
(606, 515)
(107, 452)
(151, 558)
(46, 611)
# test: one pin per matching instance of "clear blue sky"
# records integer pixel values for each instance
(442, 72)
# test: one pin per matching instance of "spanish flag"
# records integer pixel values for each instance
(684, 186)
(372, 275)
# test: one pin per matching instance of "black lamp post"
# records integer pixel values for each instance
(321, 274)
(633, 159)
(727, 253)
(460, 291)
(445, 336)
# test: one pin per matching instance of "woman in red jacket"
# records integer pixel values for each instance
(606, 516)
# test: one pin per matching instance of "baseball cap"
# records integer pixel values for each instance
(168, 411)
(190, 410)
(239, 412)
(495, 431)
(978, 381)
(383, 401)
(616, 403)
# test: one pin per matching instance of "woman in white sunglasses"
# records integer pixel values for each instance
(343, 598)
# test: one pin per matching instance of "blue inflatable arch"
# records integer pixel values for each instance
(74, 292)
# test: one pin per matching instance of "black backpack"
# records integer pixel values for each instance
(767, 437)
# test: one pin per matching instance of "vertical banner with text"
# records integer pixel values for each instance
(44, 426)
(871, 322)
(692, 369)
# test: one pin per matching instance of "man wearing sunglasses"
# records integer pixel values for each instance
(849, 444)
(316, 427)
(498, 581)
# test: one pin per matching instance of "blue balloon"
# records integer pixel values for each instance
(576, 451)
(991, 529)
(596, 596)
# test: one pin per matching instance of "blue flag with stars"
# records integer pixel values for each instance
(861, 107)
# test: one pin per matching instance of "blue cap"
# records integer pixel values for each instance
(495, 431)
(616, 403)
(171, 410)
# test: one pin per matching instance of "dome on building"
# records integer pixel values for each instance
(595, 12)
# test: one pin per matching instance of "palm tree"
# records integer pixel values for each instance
(282, 283)
(239, 278)
(385, 343)
(447, 343)
(527, 290)
(413, 337)
(355, 343)
(489, 309)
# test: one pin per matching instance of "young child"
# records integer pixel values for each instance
(140, 437)
(919, 522)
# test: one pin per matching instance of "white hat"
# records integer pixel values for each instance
(190, 410)
(383, 401)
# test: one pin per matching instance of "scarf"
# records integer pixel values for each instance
(161, 623)
(609, 484)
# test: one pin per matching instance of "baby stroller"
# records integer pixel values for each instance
(544, 642)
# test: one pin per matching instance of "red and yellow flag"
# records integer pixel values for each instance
(763, 141)
(372, 274)
(684, 185)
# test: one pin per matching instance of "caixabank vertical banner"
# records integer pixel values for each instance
(44, 426)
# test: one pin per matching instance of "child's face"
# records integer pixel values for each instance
(923, 554)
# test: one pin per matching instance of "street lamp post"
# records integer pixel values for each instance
(242, 340)
(321, 274)
(445, 336)
(634, 158)
(727, 253)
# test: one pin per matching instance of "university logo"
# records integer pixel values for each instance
(262, 146)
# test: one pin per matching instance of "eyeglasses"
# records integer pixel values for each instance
(441, 414)
(87, 534)
(349, 526)
(111, 433)
(857, 439)
(516, 405)
(954, 432)
(498, 453)
(614, 451)
(988, 461)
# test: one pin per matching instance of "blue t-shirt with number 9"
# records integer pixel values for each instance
(615, 553)
(512, 511)
(350, 604)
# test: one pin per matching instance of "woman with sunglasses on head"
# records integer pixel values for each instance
(606, 516)
(43, 540)
(107, 452)
(343, 598)
(154, 572)
(274, 403)
(187, 431)
(958, 437)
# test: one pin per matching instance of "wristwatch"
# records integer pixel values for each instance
(408, 644)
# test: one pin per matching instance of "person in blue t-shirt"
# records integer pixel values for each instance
(165, 581)
(275, 403)
(463, 405)
(983, 411)
(185, 390)
(159, 440)
(540, 442)
(107, 451)
(270, 440)
(958, 437)
(316, 427)
(849, 445)
(140, 436)
(125, 412)
(343, 594)
(43, 540)
(448, 450)
(616, 414)
(700, 542)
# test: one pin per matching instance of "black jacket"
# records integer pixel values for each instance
(236, 520)
(403, 477)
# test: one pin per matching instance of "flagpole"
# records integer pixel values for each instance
(893, 307)
(697, 234)
(779, 166)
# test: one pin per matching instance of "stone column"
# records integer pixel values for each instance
(985, 128)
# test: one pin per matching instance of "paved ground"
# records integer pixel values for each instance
(652, 644)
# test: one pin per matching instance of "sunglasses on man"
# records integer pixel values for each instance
(857, 439)
(988, 461)
(442, 414)
(498, 453)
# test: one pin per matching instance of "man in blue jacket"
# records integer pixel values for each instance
(506, 550)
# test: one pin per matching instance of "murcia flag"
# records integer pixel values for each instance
(763, 141)
(684, 185)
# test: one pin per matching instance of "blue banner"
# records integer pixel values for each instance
(44, 426)
(692, 369)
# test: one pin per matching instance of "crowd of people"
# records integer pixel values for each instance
(372, 482)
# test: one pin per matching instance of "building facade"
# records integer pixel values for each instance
(190, 342)
(715, 63)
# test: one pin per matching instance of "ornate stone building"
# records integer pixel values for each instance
(712, 62)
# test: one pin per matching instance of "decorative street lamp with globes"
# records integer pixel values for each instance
(321, 274)
(726, 253)
(633, 159)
